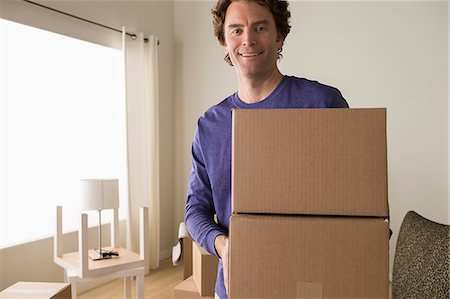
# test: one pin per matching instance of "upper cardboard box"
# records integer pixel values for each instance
(310, 161)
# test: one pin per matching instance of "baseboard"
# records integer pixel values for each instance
(165, 254)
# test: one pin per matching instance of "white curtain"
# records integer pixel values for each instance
(142, 98)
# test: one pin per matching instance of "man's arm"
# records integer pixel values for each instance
(200, 211)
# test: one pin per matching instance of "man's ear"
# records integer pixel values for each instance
(280, 38)
(225, 47)
(222, 42)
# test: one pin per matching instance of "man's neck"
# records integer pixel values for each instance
(253, 90)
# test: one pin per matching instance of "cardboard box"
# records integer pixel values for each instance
(204, 270)
(188, 290)
(308, 257)
(37, 290)
(187, 256)
(309, 193)
(310, 161)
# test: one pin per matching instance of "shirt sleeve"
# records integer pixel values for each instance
(339, 101)
(200, 211)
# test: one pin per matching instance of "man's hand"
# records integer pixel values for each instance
(221, 245)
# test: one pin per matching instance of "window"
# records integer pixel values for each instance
(62, 118)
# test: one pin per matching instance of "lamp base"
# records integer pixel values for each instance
(95, 255)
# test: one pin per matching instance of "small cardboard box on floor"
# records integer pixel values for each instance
(188, 290)
(204, 271)
(309, 192)
(187, 256)
(37, 290)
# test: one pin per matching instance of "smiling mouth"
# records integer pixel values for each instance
(250, 54)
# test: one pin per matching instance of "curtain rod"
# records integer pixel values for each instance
(132, 35)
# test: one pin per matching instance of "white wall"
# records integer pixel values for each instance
(379, 54)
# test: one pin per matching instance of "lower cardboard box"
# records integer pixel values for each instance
(308, 257)
(188, 290)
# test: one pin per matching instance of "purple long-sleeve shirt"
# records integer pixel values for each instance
(209, 189)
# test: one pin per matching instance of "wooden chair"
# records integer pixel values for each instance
(81, 270)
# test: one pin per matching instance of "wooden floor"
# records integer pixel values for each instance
(158, 284)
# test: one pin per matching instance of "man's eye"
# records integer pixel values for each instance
(260, 28)
(236, 31)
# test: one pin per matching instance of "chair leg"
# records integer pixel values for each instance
(127, 287)
(73, 283)
(140, 286)
(74, 289)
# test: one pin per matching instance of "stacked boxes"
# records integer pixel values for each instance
(309, 189)
(204, 271)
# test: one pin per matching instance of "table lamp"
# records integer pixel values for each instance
(99, 194)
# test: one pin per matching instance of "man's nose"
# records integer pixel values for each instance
(248, 38)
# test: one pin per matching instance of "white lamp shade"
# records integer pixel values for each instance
(99, 194)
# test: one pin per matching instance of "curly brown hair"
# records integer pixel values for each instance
(278, 8)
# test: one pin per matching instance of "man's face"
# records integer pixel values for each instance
(251, 39)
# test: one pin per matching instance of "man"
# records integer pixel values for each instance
(252, 34)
